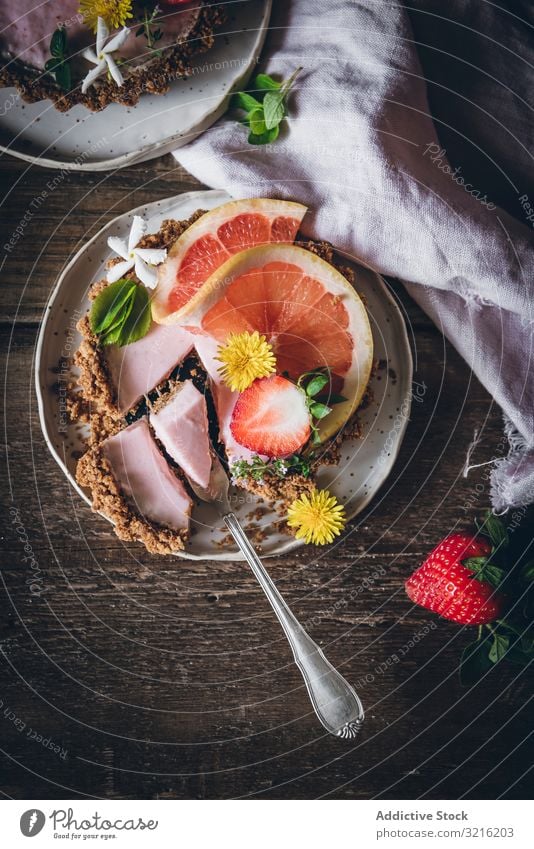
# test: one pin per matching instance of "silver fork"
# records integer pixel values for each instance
(335, 702)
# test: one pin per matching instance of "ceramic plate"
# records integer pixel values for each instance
(365, 462)
(81, 140)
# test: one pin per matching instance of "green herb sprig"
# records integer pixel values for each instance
(121, 313)
(266, 108)
(512, 637)
(313, 383)
(151, 29)
(259, 469)
(58, 65)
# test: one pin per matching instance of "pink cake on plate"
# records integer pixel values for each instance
(98, 52)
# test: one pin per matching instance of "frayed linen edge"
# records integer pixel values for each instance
(504, 470)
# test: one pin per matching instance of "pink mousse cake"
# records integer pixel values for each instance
(48, 48)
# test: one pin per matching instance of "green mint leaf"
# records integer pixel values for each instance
(316, 384)
(495, 530)
(475, 662)
(273, 108)
(52, 64)
(58, 43)
(109, 303)
(499, 647)
(256, 121)
(319, 411)
(63, 76)
(265, 138)
(111, 334)
(263, 82)
(242, 100)
(139, 320)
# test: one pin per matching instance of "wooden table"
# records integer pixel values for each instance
(135, 676)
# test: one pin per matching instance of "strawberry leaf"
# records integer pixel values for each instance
(475, 662)
(485, 571)
(499, 647)
(495, 530)
(475, 563)
(492, 574)
(527, 572)
(520, 656)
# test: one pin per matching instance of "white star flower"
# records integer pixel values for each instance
(103, 59)
(143, 260)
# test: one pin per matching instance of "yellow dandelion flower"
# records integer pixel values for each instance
(114, 12)
(317, 516)
(245, 357)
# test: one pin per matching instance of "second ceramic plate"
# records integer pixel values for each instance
(365, 462)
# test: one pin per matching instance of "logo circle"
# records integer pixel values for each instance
(32, 822)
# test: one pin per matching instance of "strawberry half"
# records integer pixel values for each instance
(271, 417)
(446, 586)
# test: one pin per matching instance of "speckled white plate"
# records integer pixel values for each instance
(81, 140)
(365, 462)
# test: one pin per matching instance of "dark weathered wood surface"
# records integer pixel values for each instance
(165, 678)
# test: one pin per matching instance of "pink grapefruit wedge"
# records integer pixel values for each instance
(307, 310)
(212, 240)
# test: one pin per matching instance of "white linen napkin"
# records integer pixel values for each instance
(361, 150)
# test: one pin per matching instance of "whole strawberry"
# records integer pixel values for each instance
(457, 580)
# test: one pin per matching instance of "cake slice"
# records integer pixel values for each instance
(181, 425)
(135, 370)
(224, 398)
(133, 485)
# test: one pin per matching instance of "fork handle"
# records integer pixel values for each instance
(335, 702)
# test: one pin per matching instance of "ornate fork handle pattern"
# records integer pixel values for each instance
(335, 702)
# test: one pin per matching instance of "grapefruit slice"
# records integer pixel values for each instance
(306, 309)
(212, 240)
